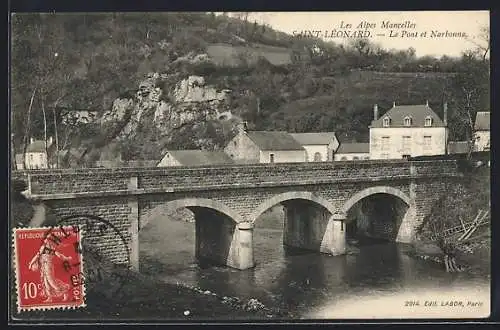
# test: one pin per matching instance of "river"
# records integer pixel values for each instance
(374, 279)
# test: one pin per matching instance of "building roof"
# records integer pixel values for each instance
(19, 158)
(482, 121)
(418, 113)
(37, 146)
(201, 157)
(458, 147)
(274, 140)
(353, 148)
(314, 138)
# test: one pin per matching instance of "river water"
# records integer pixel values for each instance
(374, 279)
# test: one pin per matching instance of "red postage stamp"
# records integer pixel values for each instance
(49, 268)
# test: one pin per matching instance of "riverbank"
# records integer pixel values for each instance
(146, 298)
(475, 257)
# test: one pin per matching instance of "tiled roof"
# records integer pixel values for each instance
(201, 157)
(274, 140)
(482, 121)
(314, 138)
(417, 113)
(37, 146)
(458, 147)
(353, 148)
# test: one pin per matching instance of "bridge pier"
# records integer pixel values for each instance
(334, 240)
(245, 249)
(310, 227)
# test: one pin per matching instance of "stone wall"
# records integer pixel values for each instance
(123, 196)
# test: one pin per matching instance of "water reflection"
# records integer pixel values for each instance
(303, 282)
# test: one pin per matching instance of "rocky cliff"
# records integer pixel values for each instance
(166, 104)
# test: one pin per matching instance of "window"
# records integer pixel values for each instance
(406, 148)
(387, 121)
(385, 143)
(343, 158)
(385, 156)
(427, 142)
(317, 157)
(31, 158)
(367, 158)
(407, 121)
(271, 158)
(428, 121)
(355, 158)
(406, 156)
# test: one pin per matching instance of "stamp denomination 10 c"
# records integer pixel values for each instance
(49, 268)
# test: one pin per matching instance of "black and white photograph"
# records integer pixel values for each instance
(249, 166)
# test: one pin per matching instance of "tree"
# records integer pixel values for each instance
(471, 94)
(482, 43)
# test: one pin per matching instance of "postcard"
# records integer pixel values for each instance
(249, 166)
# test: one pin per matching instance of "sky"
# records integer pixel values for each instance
(448, 26)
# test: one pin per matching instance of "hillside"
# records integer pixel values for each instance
(183, 80)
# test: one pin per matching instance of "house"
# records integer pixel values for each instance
(458, 147)
(482, 131)
(319, 147)
(193, 158)
(264, 147)
(408, 130)
(36, 155)
(352, 151)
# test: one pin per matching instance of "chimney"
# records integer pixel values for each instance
(32, 140)
(375, 112)
(393, 104)
(445, 113)
(426, 103)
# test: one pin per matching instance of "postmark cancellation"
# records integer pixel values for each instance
(48, 265)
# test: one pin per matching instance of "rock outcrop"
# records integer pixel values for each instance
(186, 101)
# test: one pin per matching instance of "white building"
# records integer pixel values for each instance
(36, 155)
(353, 151)
(193, 158)
(319, 147)
(408, 130)
(482, 131)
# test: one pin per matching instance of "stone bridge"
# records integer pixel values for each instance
(318, 199)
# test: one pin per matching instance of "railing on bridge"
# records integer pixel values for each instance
(169, 179)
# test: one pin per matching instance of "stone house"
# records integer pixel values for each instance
(193, 158)
(408, 130)
(264, 147)
(482, 131)
(352, 151)
(36, 155)
(319, 147)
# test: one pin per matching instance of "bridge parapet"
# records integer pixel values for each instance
(122, 181)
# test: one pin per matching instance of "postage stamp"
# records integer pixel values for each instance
(49, 268)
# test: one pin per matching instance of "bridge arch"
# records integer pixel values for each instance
(306, 195)
(198, 202)
(215, 234)
(372, 191)
(392, 221)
